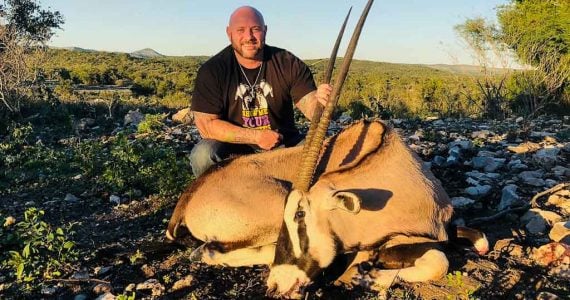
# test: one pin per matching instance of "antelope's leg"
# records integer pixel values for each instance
(352, 271)
(432, 265)
(262, 255)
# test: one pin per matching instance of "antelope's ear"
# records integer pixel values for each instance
(346, 201)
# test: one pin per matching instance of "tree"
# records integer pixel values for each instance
(487, 48)
(25, 28)
(537, 33)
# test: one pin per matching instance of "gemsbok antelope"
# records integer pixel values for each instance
(364, 176)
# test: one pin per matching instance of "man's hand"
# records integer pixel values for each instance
(323, 93)
(268, 139)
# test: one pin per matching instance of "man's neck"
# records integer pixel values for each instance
(250, 63)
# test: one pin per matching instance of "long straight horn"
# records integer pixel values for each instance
(308, 164)
(328, 74)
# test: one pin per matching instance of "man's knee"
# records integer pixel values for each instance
(203, 156)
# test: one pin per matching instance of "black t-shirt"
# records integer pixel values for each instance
(262, 101)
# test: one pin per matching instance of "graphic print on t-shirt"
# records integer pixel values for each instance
(254, 106)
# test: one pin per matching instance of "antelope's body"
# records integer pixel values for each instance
(381, 196)
(239, 206)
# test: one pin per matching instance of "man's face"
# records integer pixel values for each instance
(247, 35)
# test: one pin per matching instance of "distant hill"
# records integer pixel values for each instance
(78, 49)
(146, 53)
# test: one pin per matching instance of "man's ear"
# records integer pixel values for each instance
(229, 33)
(347, 201)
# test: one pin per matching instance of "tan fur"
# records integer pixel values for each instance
(243, 201)
(400, 201)
(432, 265)
(240, 257)
(398, 197)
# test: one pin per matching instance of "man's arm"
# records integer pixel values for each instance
(309, 102)
(211, 126)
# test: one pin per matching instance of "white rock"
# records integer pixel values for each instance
(472, 181)
(439, 123)
(560, 171)
(540, 134)
(524, 148)
(133, 117)
(478, 191)
(485, 153)
(482, 134)
(99, 271)
(463, 144)
(549, 217)
(183, 116)
(536, 225)
(547, 296)
(533, 178)
(461, 202)
(115, 199)
(183, 283)
(152, 284)
(102, 288)
(81, 297)
(70, 198)
(560, 232)
(439, 160)
(48, 290)
(106, 296)
(80, 275)
(509, 197)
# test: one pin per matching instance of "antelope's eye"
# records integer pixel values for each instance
(299, 214)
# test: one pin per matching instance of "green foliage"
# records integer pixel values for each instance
(29, 21)
(125, 296)
(539, 34)
(357, 110)
(21, 160)
(455, 281)
(24, 29)
(170, 79)
(136, 257)
(88, 158)
(36, 250)
(144, 165)
(151, 123)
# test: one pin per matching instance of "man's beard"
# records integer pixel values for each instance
(249, 54)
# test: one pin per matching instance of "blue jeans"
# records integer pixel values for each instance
(210, 152)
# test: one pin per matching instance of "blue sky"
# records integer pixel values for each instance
(400, 31)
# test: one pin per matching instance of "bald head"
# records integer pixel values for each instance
(246, 31)
(247, 13)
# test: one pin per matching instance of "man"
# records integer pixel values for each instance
(244, 95)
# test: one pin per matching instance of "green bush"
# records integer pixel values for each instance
(36, 250)
(151, 123)
(357, 110)
(145, 165)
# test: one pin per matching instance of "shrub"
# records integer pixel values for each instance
(35, 249)
(151, 123)
(143, 164)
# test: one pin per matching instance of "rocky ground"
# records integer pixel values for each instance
(510, 179)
